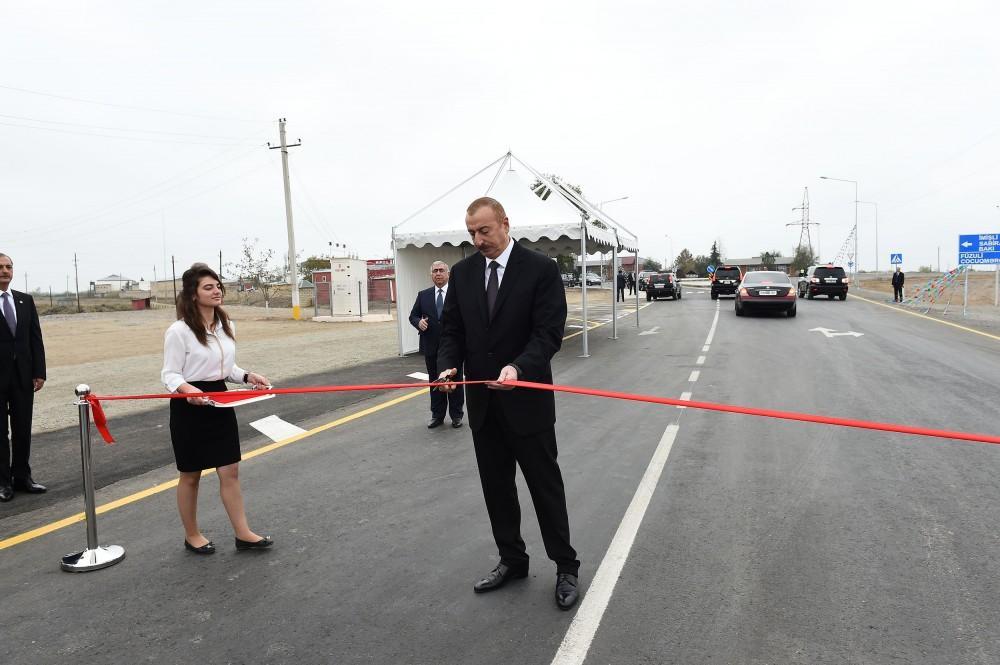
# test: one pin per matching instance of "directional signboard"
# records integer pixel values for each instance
(895, 259)
(979, 249)
(710, 269)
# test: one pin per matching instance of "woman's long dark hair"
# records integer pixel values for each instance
(187, 308)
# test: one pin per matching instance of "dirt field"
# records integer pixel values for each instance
(981, 285)
(122, 352)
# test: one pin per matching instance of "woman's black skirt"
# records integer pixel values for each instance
(203, 437)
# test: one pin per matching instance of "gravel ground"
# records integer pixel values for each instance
(122, 353)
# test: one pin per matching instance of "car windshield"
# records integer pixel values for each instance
(762, 278)
(727, 273)
(662, 277)
(824, 271)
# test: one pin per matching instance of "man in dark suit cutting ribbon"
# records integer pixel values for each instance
(504, 317)
(22, 374)
(426, 318)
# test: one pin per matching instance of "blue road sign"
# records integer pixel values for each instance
(979, 249)
(895, 259)
(710, 269)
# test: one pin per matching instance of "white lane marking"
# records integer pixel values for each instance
(685, 397)
(419, 376)
(700, 361)
(711, 331)
(651, 331)
(705, 348)
(568, 325)
(275, 428)
(694, 376)
(829, 332)
(576, 643)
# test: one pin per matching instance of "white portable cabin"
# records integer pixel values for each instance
(554, 225)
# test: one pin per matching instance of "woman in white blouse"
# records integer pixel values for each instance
(199, 355)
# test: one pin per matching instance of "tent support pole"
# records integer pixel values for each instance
(614, 285)
(635, 267)
(583, 282)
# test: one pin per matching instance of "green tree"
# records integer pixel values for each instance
(684, 263)
(651, 264)
(714, 256)
(767, 258)
(566, 263)
(802, 259)
(701, 263)
(314, 263)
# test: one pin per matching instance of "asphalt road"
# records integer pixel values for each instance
(762, 541)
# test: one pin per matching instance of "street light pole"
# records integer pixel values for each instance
(857, 200)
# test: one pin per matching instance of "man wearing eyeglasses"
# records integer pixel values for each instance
(426, 317)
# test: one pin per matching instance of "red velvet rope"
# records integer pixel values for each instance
(100, 420)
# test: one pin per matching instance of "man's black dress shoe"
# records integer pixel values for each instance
(498, 577)
(456, 423)
(6, 492)
(251, 545)
(566, 593)
(207, 548)
(435, 422)
(28, 485)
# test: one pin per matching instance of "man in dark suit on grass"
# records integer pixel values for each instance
(22, 374)
(426, 318)
(504, 317)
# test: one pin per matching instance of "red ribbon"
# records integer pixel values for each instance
(100, 420)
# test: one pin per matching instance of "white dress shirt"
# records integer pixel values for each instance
(503, 259)
(185, 359)
(13, 306)
(443, 290)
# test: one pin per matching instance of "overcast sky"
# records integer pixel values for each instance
(710, 116)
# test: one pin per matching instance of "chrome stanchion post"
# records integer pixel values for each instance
(94, 557)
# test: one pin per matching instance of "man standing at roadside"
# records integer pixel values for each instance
(897, 284)
(426, 318)
(504, 316)
(620, 283)
(22, 374)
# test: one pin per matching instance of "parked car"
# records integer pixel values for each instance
(766, 290)
(828, 280)
(724, 280)
(593, 279)
(663, 285)
(569, 279)
(643, 278)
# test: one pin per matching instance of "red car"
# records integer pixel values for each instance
(766, 290)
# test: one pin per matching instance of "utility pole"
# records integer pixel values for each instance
(805, 237)
(220, 265)
(173, 271)
(76, 271)
(292, 271)
(26, 283)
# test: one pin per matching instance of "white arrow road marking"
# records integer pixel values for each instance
(419, 376)
(833, 333)
(651, 331)
(275, 428)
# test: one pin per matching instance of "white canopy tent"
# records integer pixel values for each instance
(562, 222)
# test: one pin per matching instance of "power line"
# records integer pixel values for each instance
(119, 129)
(113, 136)
(120, 106)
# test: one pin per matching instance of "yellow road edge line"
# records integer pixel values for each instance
(162, 487)
(929, 318)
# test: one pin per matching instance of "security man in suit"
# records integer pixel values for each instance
(426, 318)
(504, 317)
(22, 374)
(898, 278)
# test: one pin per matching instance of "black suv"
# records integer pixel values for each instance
(725, 279)
(662, 285)
(828, 280)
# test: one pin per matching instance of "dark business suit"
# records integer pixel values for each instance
(425, 305)
(22, 359)
(517, 427)
(898, 278)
